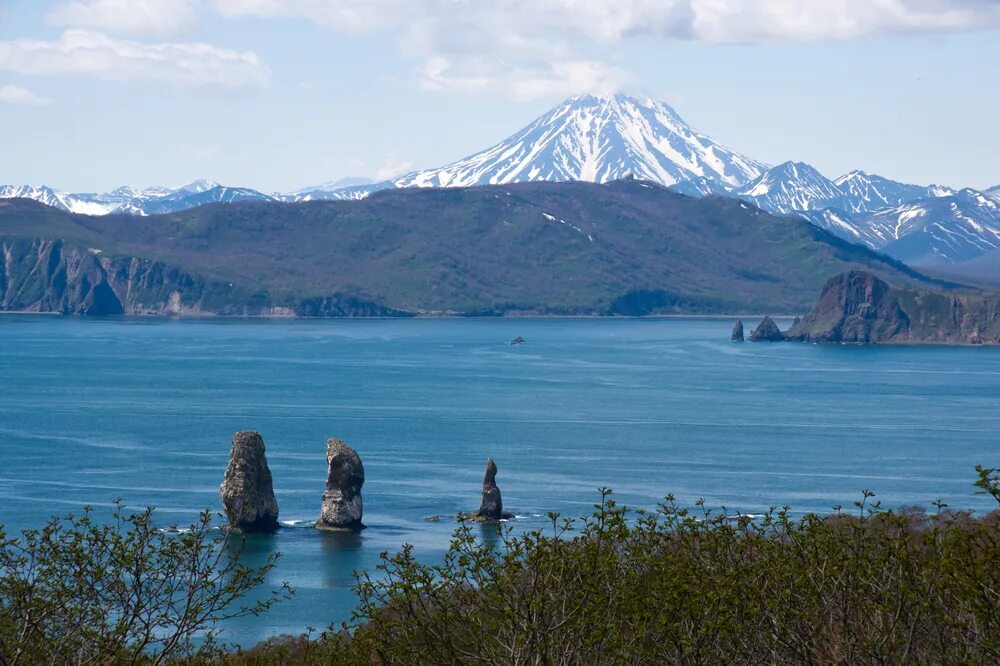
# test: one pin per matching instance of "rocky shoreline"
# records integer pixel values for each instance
(858, 307)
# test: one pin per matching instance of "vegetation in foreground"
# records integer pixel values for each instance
(79, 591)
(669, 586)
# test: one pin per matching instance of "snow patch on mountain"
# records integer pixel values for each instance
(345, 193)
(131, 201)
(599, 139)
(864, 192)
(943, 230)
(796, 187)
(789, 188)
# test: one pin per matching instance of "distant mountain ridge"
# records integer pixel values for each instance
(599, 138)
(796, 187)
(131, 201)
(628, 247)
(924, 226)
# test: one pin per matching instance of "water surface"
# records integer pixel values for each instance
(144, 409)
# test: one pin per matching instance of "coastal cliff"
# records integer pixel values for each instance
(45, 275)
(859, 307)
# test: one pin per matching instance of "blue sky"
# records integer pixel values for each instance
(279, 95)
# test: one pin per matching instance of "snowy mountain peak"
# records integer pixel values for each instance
(598, 138)
(131, 201)
(940, 230)
(199, 186)
(330, 186)
(791, 187)
(869, 192)
(796, 187)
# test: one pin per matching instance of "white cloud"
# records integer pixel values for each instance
(139, 17)
(346, 16)
(836, 20)
(11, 94)
(558, 46)
(392, 168)
(84, 53)
(520, 81)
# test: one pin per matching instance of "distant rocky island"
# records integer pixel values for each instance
(859, 307)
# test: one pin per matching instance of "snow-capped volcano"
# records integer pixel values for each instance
(599, 139)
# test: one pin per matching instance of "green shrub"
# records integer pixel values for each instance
(673, 586)
(668, 586)
(79, 592)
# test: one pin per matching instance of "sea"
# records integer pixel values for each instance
(144, 409)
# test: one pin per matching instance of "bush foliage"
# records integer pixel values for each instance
(666, 586)
(79, 591)
(674, 586)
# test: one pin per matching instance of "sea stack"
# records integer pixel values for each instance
(738, 331)
(491, 508)
(246, 490)
(342, 508)
(767, 331)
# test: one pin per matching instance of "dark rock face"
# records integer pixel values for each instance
(491, 508)
(492, 505)
(737, 331)
(342, 507)
(43, 275)
(859, 307)
(246, 491)
(854, 307)
(766, 331)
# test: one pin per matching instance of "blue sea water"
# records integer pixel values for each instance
(144, 409)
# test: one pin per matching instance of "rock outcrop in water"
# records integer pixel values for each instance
(766, 331)
(246, 490)
(492, 504)
(737, 331)
(342, 507)
(859, 307)
(491, 507)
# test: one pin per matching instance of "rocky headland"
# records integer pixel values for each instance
(860, 307)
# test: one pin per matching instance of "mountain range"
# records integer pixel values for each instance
(627, 247)
(131, 201)
(606, 138)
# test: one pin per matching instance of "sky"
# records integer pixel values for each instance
(281, 94)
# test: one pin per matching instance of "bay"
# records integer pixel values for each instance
(144, 409)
